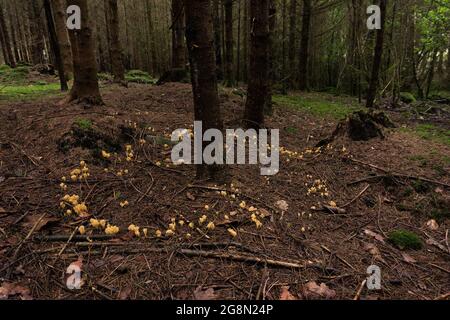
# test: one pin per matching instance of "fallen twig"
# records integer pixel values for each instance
(360, 289)
(397, 175)
(357, 197)
(74, 238)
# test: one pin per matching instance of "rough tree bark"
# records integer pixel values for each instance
(268, 108)
(36, 32)
(304, 45)
(15, 46)
(258, 83)
(292, 41)
(85, 88)
(245, 42)
(431, 73)
(178, 47)
(59, 17)
(229, 43)
(200, 45)
(4, 39)
(378, 55)
(217, 38)
(151, 34)
(55, 45)
(117, 67)
(448, 64)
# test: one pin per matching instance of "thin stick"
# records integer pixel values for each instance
(357, 197)
(399, 175)
(360, 289)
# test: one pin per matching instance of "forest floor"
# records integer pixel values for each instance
(302, 251)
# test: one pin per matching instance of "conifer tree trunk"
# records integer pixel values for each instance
(178, 47)
(5, 41)
(258, 84)
(200, 42)
(36, 32)
(448, 65)
(378, 55)
(292, 41)
(304, 46)
(245, 42)
(59, 17)
(85, 88)
(217, 38)
(271, 72)
(117, 67)
(55, 45)
(15, 46)
(229, 43)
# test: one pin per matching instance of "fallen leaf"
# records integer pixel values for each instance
(433, 242)
(432, 225)
(282, 205)
(12, 289)
(19, 270)
(263, 213)
(124, 293)
(190, 196)
(375, 235)
(438, 190)
(286, 295)
(30, 221)
(374, 251)
(408, 258)
(314, 291)
(2, 210)
(207, 294)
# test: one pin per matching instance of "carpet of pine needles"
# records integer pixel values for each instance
(300, 242)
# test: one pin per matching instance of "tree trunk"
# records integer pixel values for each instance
(4, 39)
(200, 44)
(229, 43)
(85, 88)
(217, 38)
(268, 109)
(178, 48)
(448, 65)
(378, 55)
(15, 46)
(55, 45)
(431, 74)
(283, 58)
(22, 35)
(258, 83)
(59, 17)
(245, 43)
(304, 46)
(37, 35)
(118, 69)
(292, 41)
(151, 32)
(238, 48)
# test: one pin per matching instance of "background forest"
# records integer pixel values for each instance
(316, 45)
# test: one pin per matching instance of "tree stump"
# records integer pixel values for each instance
(361, 126)
(174, 75)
